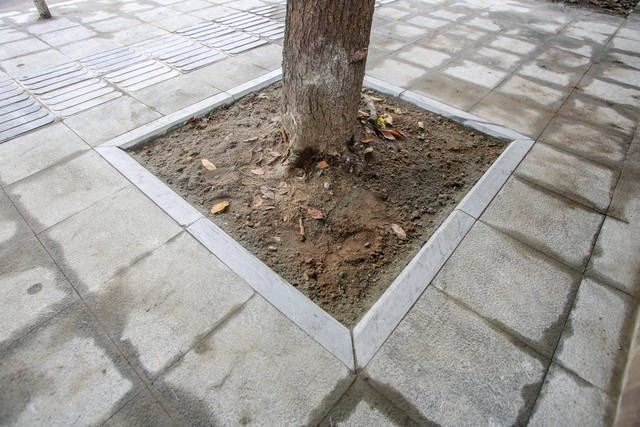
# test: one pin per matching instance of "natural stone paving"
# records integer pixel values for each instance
(112, 313)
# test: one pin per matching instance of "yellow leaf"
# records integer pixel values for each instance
(421, 125)
(368, 150)
(388, 119)
(381, 123)
(374, 99)
(208, 165)
(322, 165)
(397, 18)
(219, 207)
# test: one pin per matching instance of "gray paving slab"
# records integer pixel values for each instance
(65, 372)
(113, 24)
(137, 33)
(425, 58)
(615, 258)
(33, 63)
(22, 47)
(177, 22)
(103, 240)
(595, 341)
(625, 205)
(142, 410)
(611, 91)
(67, 35)
(12, 226)
(215, 75)
(628, 410)
(293, 380)
(585, 109)
(125, 114)
(33, 288)
(362, 405)
(554, 225)
(574, 177)
(50, 196)
(450, 90)
(513, 286)
(566, 399)
(158, 309)
(457, 356)
(172, 95)
(80, 49)
(398, 73)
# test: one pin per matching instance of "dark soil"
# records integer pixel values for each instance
(368, 198)
(611, 7)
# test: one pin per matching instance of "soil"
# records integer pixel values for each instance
(611, 7)
(368, 199)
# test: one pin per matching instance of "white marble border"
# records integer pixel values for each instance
(382, 319)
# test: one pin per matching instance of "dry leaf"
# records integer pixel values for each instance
(322, 165)
(208, 165)
(381, 123)
(398, 133)
(374, 99)
(387, 134)
(363, 114)
(388, 119)
(219, 207)
(368, 139)
(283, 188)
(267, 192)
(257, 171)
(368, 150)
(254, 139)
(284, 135)
(421, 125)
(191, 120)
(399, 231)
(257, 201)
(301, 227)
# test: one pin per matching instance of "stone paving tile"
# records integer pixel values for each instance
(190, 5)
(513, 45)
(550, 223)
(425, 58)
(550, 74)
(595, 341)
(400, 31)
(391, 13)
(625, 44)
(615, 258)
(563, 58)
(156, 14)
(474, 73)
(293, 380)
(447, 43)
(178, 22)
(137, 33)
(615, 119)
(458, 356)
(124, 114)
(142, 410)
(21, 47)
(158, 309)
(426, 22)
(174, 94)
(362, 405)
(629, 33)
(628, 60)
(590, 142)
(451, 91)
(34, 63)
(547, 97)
(66, 36)
(571, 176)
(50, 196)
(395, 72)
(495, 59)
(65, 372)
(48, 25)
(268, 56)
(215, 12)
(215, 75)
(94, 245)
(512, 285)
(88, 47)
(585, 35)
(625, 205)
(31, 153)
(628, 409)
(622, 75)
(12, 226)
(569, 400)
(575, 47)
(114, 24)
(611, 92)
(33, 288)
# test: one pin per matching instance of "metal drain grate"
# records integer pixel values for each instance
(128, 69)
(180, 52)
(19, 112)
(69, 89)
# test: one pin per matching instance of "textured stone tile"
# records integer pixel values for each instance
(163, 305)
(94, 245)
(623, 75)
(513, 45)
(628, 409)
(293, 380)
(475, 73)
(362, 405)
(586, 35)
(629, 33)
(563, 58)
(395, 72)
(485, 24)
(36, 151)
(34, 63)
(391, 12)
(496, 59)
(190, 5)
(626, 199)
(124, 114)
(568, 400)
(88, 47)
(615, 258)
(423, 57)
(156, 14)
(574, 177)
(54, 194)
(525, 89)
(552, 224)
(612, 92)
(604, 115)
(142, 410)
(65, 372)
(593, 143)
(178, 22)
(628, 60)
(575, 47)
(595, 341)
(172, 95)
(512, 285)
(443, 361)
(33, 288)
(215, 12)
(625, 44)
(468, 33)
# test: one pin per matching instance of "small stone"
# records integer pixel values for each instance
(366, 245)
(327, 185)
(273, 248)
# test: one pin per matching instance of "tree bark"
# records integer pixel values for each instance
(325, 50)
(43, 9)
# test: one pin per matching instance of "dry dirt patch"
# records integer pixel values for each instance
(339, 229)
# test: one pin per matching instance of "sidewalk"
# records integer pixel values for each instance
(113, 313)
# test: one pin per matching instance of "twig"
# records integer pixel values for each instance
(301, 229)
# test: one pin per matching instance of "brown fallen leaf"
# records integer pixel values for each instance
(399, 231)
(368, 139)
(397, 133)
(301, 227)
(363, 114)
(387, 134)
(191, 120)
(257, 201)
(322, 165)
(284, 135)
(257, 171)
(208, 165)
(219, 207)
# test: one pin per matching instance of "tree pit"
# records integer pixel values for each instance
(339, 229)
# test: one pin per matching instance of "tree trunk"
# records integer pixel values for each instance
(43, 9)
(325, 50)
